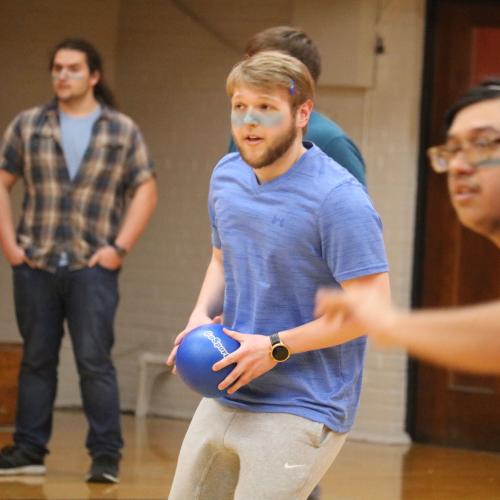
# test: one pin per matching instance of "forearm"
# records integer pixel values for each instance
(465, 339)
(211, 297)
(139, 213)
(329, 331)
(7, 231)
(319, 334)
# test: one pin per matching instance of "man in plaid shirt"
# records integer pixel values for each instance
(90, 190)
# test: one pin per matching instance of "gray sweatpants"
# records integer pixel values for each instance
(229, 453)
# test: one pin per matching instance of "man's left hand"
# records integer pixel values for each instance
(106, 257)
(252, 360)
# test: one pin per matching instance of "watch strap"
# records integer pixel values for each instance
(122, 252)
(275, 338)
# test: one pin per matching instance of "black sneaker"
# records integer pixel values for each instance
(15, 461)
(104, 469)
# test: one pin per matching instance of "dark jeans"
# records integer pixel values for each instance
(87, 299)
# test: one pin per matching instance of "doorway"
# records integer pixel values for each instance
(453, 265)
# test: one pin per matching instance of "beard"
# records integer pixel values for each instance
(274, 152)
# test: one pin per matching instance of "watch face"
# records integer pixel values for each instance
(280, 353)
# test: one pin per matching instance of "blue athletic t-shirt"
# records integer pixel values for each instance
(313, 226)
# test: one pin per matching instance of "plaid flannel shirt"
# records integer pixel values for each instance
(73, 216)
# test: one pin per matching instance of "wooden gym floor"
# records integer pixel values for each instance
(361, 472)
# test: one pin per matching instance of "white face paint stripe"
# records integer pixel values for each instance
(252, 117)
(69, 75)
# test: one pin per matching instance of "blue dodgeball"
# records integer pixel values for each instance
(198, 351)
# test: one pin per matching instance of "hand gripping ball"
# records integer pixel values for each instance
(198, 351)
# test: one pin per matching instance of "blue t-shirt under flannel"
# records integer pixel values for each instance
(313, 226)
(75, 138)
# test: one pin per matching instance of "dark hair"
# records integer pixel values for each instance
(294, 41)
(485, 91)
(94, 63)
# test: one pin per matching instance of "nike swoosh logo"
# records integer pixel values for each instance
(294, 466)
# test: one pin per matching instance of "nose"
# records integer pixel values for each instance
(250, 118)
(61, 74)
(460, 165)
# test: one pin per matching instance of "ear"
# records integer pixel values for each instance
(94, 78)
(304, 113)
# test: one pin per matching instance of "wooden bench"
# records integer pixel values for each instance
(10, 362)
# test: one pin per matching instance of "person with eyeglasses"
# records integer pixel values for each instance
(465, 338)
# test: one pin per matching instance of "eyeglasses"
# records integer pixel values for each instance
(479, 151)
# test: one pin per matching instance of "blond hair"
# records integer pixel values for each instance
(270, 69)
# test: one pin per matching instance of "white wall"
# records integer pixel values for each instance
(390, 146)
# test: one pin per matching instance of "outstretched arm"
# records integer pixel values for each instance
(466, 338)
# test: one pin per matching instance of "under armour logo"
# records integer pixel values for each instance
(278, 220)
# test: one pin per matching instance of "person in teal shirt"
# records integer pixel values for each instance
(322, 131)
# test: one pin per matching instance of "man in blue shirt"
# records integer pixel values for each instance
(322, 131)
(286, 219)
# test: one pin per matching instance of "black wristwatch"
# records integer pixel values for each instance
(278, 351)
(122, 252)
